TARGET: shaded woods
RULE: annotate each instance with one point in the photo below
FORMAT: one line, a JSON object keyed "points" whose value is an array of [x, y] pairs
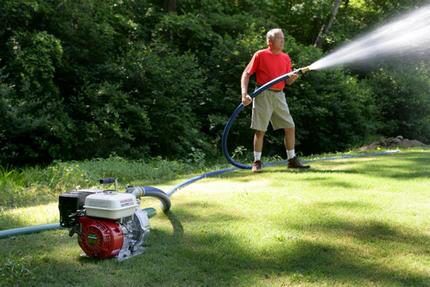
{"points": [[85, 79]]}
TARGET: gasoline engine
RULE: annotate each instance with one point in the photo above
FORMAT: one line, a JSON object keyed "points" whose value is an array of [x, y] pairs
{"points": [[109, 223]]}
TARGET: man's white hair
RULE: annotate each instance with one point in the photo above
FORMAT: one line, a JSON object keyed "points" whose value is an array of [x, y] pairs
{"points": [[270, 36]]}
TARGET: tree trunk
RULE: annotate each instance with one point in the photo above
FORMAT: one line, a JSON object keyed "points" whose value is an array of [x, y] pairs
{"points": [[326, 28], [170, 6]]}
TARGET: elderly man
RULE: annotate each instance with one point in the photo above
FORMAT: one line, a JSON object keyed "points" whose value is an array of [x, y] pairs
{"points": [[271, 105]]}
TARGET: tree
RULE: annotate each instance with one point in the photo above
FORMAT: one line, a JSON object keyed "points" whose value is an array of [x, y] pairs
{"points": [[325, 29], [170, 6]]}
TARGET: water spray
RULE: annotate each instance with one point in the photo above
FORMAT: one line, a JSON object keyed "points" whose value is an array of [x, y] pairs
{"points": [[407, 36]]}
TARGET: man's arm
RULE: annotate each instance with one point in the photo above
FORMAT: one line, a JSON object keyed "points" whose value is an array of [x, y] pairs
{"points": [[244, 82]]}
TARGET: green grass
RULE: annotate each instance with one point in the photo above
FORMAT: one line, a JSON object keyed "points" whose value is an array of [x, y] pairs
{"points": [[350, 222]]}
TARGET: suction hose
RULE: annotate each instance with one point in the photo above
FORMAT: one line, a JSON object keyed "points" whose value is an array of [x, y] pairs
{"points": [[28, 230], [240, 107], [140, 191]]}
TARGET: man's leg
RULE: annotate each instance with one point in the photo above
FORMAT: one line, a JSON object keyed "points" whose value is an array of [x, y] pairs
{"points": [[258, 149], [258, 141], [289, 142], [289, 138]]}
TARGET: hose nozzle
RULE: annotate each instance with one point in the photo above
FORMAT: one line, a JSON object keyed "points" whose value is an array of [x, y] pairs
{"points": [[303, 70]]}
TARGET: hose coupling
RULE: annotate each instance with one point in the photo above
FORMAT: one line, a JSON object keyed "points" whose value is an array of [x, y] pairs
{"points": [[303, 70]]}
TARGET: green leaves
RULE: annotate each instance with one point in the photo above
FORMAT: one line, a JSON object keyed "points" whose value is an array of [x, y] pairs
{"points": [[170, 86], [35, 124], [84, 79], [403, 101]]}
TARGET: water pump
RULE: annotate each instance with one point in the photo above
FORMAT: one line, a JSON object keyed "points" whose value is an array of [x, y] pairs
{"points": [[109, 224]]}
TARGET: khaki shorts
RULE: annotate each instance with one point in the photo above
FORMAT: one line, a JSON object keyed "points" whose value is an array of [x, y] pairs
{"points": [[271, 106]]}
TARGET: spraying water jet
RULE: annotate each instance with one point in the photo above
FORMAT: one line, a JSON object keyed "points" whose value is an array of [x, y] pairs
{"points": [[407, 36]]}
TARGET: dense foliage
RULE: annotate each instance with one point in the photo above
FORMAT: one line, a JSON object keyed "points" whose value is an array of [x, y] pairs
{"points": [[84, 79]]}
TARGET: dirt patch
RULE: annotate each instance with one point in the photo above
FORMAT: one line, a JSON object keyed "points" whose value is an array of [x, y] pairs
{"points": [[397, 142]]}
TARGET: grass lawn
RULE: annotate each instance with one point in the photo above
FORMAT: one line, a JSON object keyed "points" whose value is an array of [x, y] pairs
{"points": [[349, 222]]}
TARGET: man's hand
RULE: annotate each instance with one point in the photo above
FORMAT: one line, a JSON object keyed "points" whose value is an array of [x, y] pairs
{"points": [[246, 100], [292, 79]]}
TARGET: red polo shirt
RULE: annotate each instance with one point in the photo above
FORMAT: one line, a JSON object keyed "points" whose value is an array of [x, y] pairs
{"points": [[269, 66]]}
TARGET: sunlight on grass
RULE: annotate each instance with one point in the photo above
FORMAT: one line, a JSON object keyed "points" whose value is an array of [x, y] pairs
{"points": [[350, 222], [32, 215]]}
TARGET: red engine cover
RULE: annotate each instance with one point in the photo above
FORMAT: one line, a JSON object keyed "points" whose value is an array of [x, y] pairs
{"points": [[100, 238]]}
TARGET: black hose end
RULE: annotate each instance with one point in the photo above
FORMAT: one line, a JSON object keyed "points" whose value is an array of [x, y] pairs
{"points": [[107, 180]]}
